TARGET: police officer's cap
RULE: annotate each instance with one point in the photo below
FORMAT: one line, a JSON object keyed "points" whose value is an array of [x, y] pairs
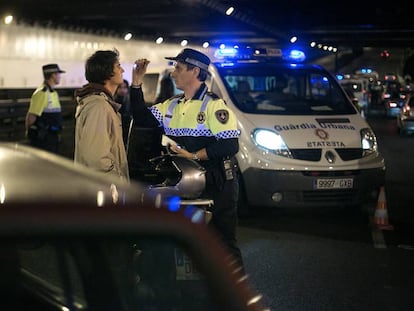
{"points": [[51, 68], [192, 57]]}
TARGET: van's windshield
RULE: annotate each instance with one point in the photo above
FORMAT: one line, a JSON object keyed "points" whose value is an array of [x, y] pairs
{"points": [[287, 91]]}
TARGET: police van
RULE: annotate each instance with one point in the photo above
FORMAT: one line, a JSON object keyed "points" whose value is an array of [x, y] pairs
{"points": [[303, 143]]}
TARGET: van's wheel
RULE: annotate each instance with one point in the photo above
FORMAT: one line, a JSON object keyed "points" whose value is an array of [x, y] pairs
{"points": [[243, 208]]}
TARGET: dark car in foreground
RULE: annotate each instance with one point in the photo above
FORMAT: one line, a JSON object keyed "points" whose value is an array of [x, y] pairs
{"points": [[73, 239]]}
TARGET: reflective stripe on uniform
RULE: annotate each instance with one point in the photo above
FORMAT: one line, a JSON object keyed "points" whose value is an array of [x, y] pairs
{"points": [[195, 124], [44, 101]]}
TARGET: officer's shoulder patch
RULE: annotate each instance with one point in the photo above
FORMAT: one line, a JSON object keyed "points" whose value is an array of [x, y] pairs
{"points": [[213, 95], [222, 116]]}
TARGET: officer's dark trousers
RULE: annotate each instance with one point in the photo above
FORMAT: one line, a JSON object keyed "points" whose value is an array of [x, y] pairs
{"points": [[224, 211], [50, 142]]}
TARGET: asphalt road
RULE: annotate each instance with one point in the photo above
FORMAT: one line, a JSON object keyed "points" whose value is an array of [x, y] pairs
{"points": [[331, 259]]}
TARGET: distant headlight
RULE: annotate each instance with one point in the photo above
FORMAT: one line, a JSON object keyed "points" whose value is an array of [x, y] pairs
{"points": [[369, 141], [271, 142]]}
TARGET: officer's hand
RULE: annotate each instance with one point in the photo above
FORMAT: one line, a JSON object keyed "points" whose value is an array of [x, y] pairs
{"points": [[139, 70], [177, 149], [180, 151]]}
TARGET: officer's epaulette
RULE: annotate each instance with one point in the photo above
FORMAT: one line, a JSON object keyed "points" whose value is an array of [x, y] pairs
{"points": [[213, 95]]}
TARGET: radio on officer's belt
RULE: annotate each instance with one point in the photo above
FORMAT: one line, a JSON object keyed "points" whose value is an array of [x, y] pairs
{"points": [[228, 169]]}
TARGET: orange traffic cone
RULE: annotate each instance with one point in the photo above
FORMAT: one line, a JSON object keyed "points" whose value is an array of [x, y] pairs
{"points": [[381, 213]]}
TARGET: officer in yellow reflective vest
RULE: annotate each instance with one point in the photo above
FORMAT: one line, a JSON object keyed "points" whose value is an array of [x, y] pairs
{"points": [[205, 130], [44, 117]]}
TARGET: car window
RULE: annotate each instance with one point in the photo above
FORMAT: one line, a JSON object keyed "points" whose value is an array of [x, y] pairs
{"points": [[150, 273]]}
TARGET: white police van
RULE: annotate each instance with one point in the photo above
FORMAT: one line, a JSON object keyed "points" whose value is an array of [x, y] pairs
{"points": [[303, 143]]}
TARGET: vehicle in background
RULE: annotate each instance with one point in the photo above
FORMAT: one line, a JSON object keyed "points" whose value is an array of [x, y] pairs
{"points": [[75, 239], [394, 95], [359, 88], [303, 143], [405, 119], [376, 91], [393, 105], [392, 87]]}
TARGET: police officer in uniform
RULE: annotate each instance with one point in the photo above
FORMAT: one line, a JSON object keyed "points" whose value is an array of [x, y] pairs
{"points": [[205, 130], [44, 117]]}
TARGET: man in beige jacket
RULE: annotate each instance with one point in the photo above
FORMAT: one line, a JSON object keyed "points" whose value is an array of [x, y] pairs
{"points": [[98, 133]]}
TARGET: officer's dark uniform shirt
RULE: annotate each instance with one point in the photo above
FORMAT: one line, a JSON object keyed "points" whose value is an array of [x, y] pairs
{"points": [[201, 122]]}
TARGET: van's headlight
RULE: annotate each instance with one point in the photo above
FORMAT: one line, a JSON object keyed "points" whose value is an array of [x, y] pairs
{"points": [[271, 142], [369, 141]]}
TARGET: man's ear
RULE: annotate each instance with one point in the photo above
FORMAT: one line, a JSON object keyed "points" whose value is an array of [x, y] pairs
{"points": [[196, 71]]}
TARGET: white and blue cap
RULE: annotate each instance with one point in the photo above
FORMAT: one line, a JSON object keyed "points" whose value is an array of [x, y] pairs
{"points": [[192, 57], [52, 68]]}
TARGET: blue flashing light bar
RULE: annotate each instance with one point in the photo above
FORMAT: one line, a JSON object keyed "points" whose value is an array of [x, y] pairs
{"points": [[233, 53], [296, 55], [227, 54]]}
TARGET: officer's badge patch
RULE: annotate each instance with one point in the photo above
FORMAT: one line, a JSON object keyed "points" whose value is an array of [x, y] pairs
{"points": [[201, 117], [222, 116]]}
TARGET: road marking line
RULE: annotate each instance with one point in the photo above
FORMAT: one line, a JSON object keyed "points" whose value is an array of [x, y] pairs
{"points": [[406, 246]]}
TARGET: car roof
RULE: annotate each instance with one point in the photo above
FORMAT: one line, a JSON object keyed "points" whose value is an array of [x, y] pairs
{"points": [[30, 174]]}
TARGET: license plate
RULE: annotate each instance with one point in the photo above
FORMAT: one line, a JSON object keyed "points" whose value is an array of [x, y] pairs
{"points": [[185, 269], [333, 183]]}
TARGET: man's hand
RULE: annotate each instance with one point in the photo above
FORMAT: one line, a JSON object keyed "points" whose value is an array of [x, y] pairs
{"points": [[139, 70]]}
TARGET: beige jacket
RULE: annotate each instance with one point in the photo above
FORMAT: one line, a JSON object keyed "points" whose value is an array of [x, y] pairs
{"points": [[98, 135]]}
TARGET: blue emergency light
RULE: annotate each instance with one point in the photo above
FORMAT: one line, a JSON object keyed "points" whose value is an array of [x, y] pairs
{"points": [[296, 55], [238, 54]]}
